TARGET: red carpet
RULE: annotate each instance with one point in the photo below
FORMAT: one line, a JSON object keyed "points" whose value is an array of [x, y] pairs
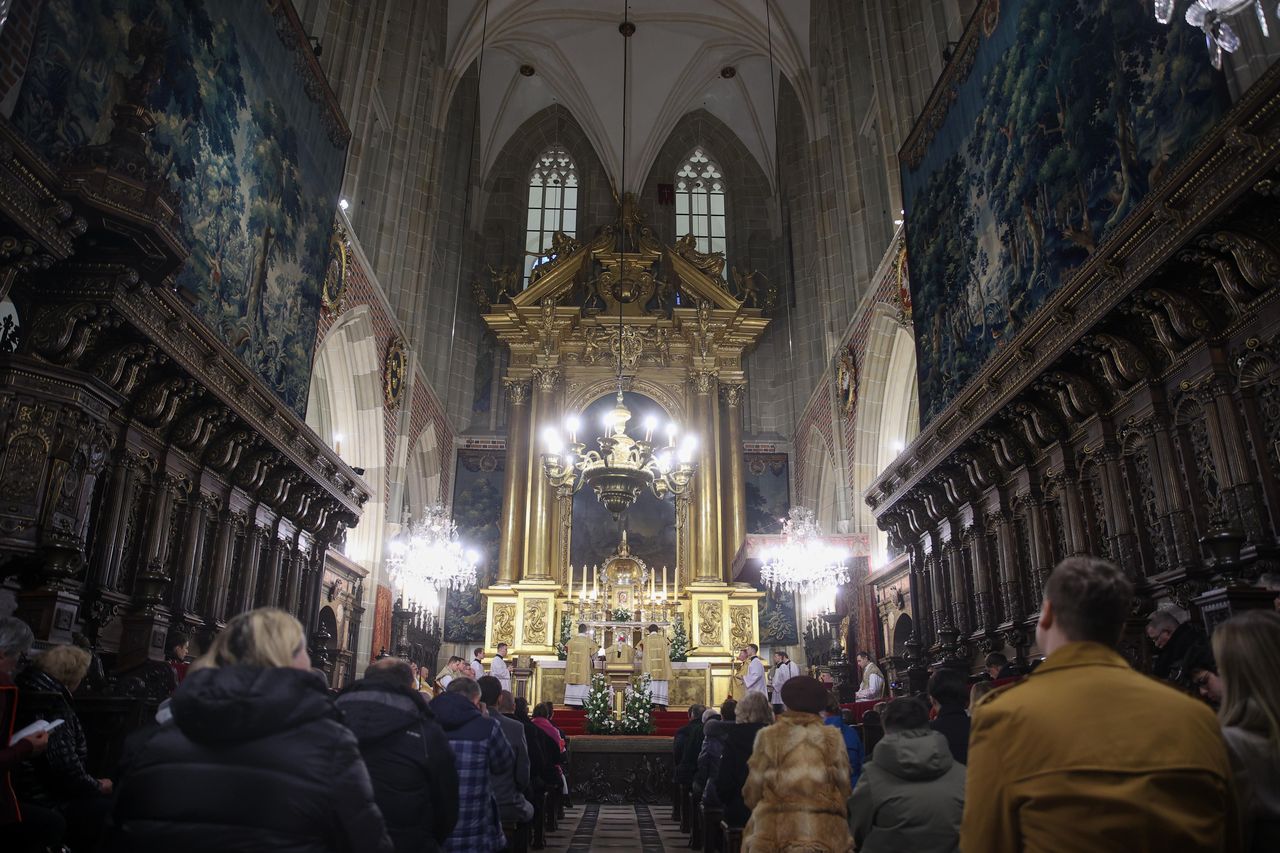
{"points": [[573, 721]]}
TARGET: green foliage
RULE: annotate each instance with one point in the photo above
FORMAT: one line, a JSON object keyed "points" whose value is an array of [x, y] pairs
{"points": [[679, 641], [637, 708], [621, 614], [562, 647], [599, 707]]}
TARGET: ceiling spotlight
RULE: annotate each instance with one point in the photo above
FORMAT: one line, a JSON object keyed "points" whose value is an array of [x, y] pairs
{"points": [[526, 71], [728, 72], [343, 203]]}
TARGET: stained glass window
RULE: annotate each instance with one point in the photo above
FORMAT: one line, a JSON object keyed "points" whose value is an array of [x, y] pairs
{"points": [[700, 191], [553, 205]]}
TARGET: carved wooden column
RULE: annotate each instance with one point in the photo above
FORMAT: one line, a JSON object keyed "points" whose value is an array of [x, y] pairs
{"points": [[511, 546], [220, 569], [1116, 500], [255, 536], [1170, 497], [1073, 508], [191, 558], [708, 565], [920, 607], [117, 501], [292, 579], [984, 612], [144, 627], [1007, 562], [734, 482], [1240, 490], [541, 496], [268, 594], [937, 594], [959, 589], [1041, 547]]}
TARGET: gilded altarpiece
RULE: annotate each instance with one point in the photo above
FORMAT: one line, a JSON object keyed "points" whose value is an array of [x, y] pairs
{"points": [[662, 316]]}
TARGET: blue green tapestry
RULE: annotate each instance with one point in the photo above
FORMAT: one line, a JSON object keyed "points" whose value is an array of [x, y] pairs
{"points": [[1071, 111], [244, 136], [477, 511]]}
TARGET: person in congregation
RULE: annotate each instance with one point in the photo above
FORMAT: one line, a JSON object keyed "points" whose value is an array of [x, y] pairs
{"points": [[911, 794], [949, 693], [60, 779], [512, 788], [680, 744], [657, 663], [753, 680], [499, 669], [27, 826], [577, 668], [1202, 676], [873, 683], [714, 734], [415, 781], [1247, 648], [255, 759], [751, 716], [482, 753], [998, 667], [477, 663], [797, 787], [452, 670], [1174, 641], [1153, 773], [833, 715], [977, 691], [783, 669], [709, 716]]}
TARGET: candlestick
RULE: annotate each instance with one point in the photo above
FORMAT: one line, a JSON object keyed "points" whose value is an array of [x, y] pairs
{"points": [[664, 584], [583, 594], [675, 581], [595, 582]]}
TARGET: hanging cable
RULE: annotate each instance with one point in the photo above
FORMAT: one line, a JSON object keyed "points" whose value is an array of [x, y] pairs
{"points": [[622, 180]]}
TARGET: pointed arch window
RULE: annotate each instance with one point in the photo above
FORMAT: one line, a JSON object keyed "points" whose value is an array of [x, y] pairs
{"points": [[553, 205], [700, 201]]}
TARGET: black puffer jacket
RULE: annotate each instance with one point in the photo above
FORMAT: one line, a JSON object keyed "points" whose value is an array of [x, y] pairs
{"points": [[255, 760], [415, 780]]}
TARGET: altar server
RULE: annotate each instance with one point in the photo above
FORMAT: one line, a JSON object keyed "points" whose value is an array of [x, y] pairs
{"points": [[872, 686], [783, 669], [477, 664], [577, 670], [657, 662], [753, 680], [499, 670]]}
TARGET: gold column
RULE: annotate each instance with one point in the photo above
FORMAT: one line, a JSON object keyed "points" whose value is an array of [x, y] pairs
{"points": [[537, 540], [510, 548], [733, 482], [707, 563]]}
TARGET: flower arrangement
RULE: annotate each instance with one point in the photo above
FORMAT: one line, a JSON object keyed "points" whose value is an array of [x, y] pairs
{"points": [[637, 708], [621, 614], [599, 707], [679, 641], [562, 646]]}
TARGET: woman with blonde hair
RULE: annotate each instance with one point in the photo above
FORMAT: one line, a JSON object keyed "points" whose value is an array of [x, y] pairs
{"points": [[256, 757], [1247, 648], [751, 715], [60, 779]]}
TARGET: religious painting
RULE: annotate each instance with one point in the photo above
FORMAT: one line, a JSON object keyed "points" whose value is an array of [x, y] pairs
{"points": [[244, 135], [1056, 121], [650, 523], [768, 479], [477, 511]]}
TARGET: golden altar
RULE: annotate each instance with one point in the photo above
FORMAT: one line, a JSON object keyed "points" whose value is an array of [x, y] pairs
{"points": [[662, 315]]}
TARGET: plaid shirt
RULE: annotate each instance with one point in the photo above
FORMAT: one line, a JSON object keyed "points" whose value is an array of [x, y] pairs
{"points": [[479, 827]]}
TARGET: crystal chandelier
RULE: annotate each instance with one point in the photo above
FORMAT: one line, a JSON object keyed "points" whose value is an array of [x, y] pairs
{"points": [[804, 562], [1211, 17], [427, 556], [623, 467]]}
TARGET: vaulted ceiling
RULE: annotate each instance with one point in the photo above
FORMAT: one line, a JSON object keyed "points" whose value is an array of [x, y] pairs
{"points": [[675, 62]]}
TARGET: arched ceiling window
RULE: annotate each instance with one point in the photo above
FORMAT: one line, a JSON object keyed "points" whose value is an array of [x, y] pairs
{"points": [[700, 191], [553, 204]]}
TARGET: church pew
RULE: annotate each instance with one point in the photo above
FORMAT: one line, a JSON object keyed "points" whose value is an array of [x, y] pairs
{"points": [[732, 836]]}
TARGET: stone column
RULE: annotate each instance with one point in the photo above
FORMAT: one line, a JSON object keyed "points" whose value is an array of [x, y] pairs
{"points": [[541, 508], [708, 566], [511, 546], [734, 482]]}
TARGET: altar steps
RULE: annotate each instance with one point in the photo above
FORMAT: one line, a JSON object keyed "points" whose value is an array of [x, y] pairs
{"points": [[573, 721]]}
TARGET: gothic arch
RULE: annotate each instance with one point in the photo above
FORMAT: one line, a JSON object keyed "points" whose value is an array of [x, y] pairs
{"points": [[422, 480]]}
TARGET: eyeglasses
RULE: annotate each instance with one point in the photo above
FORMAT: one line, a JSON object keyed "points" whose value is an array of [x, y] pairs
{"points": [[1200, 681]]}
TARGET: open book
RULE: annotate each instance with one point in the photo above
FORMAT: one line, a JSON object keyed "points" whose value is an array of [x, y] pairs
{"points": [[35, 728]]}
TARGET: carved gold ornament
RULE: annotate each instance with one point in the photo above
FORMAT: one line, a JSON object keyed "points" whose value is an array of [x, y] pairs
{"points": [[504, 623], [335, 277], [535, 621], [395, 369], [709, 621], [739, 626]]}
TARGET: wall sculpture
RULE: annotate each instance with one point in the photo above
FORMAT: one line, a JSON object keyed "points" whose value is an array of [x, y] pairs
{"points": [[1053, 123], [242, 134]]}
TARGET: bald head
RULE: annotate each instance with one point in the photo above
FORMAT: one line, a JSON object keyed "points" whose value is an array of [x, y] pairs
{"points": [[391, 671]]}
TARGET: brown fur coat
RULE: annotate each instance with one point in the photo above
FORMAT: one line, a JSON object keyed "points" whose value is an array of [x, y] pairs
{"points": [[798, 789]]}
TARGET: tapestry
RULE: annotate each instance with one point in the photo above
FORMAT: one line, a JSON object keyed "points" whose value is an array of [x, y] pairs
{"points": [[768, 492], [1058, 120], [382, 606], [650, 523], [477, 511], [255, 161], [778, 619]]}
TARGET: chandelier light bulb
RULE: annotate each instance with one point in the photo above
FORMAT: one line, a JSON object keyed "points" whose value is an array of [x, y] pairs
{"points": [[572, 424], [671, 434], [552, 441]]}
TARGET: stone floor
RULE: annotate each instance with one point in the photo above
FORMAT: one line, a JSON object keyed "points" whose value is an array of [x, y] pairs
{"points": [[639, 828]]}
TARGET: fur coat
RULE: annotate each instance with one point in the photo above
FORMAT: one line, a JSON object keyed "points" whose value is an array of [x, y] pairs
{"points": [[797, 789]]}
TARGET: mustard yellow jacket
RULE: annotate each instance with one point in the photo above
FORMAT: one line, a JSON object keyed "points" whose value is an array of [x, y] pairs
{"points": [[1088, 756]]}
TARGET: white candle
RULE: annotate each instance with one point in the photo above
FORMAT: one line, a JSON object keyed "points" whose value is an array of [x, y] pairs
{"points": [[583, 595], [664, 583], [595, 582]]}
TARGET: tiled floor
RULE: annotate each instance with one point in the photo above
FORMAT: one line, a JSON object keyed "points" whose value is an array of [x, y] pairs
{"points": [[643, 829]]}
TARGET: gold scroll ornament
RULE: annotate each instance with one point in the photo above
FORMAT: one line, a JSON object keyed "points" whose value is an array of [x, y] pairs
{"points": [[504, 623], [535, 621], [709, 621]]}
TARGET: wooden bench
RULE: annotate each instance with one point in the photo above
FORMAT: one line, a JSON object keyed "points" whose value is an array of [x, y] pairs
{"points": [[695, 832], [676, 801], [732, 836], [686, 816], [711, 819], [517, 836]]}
